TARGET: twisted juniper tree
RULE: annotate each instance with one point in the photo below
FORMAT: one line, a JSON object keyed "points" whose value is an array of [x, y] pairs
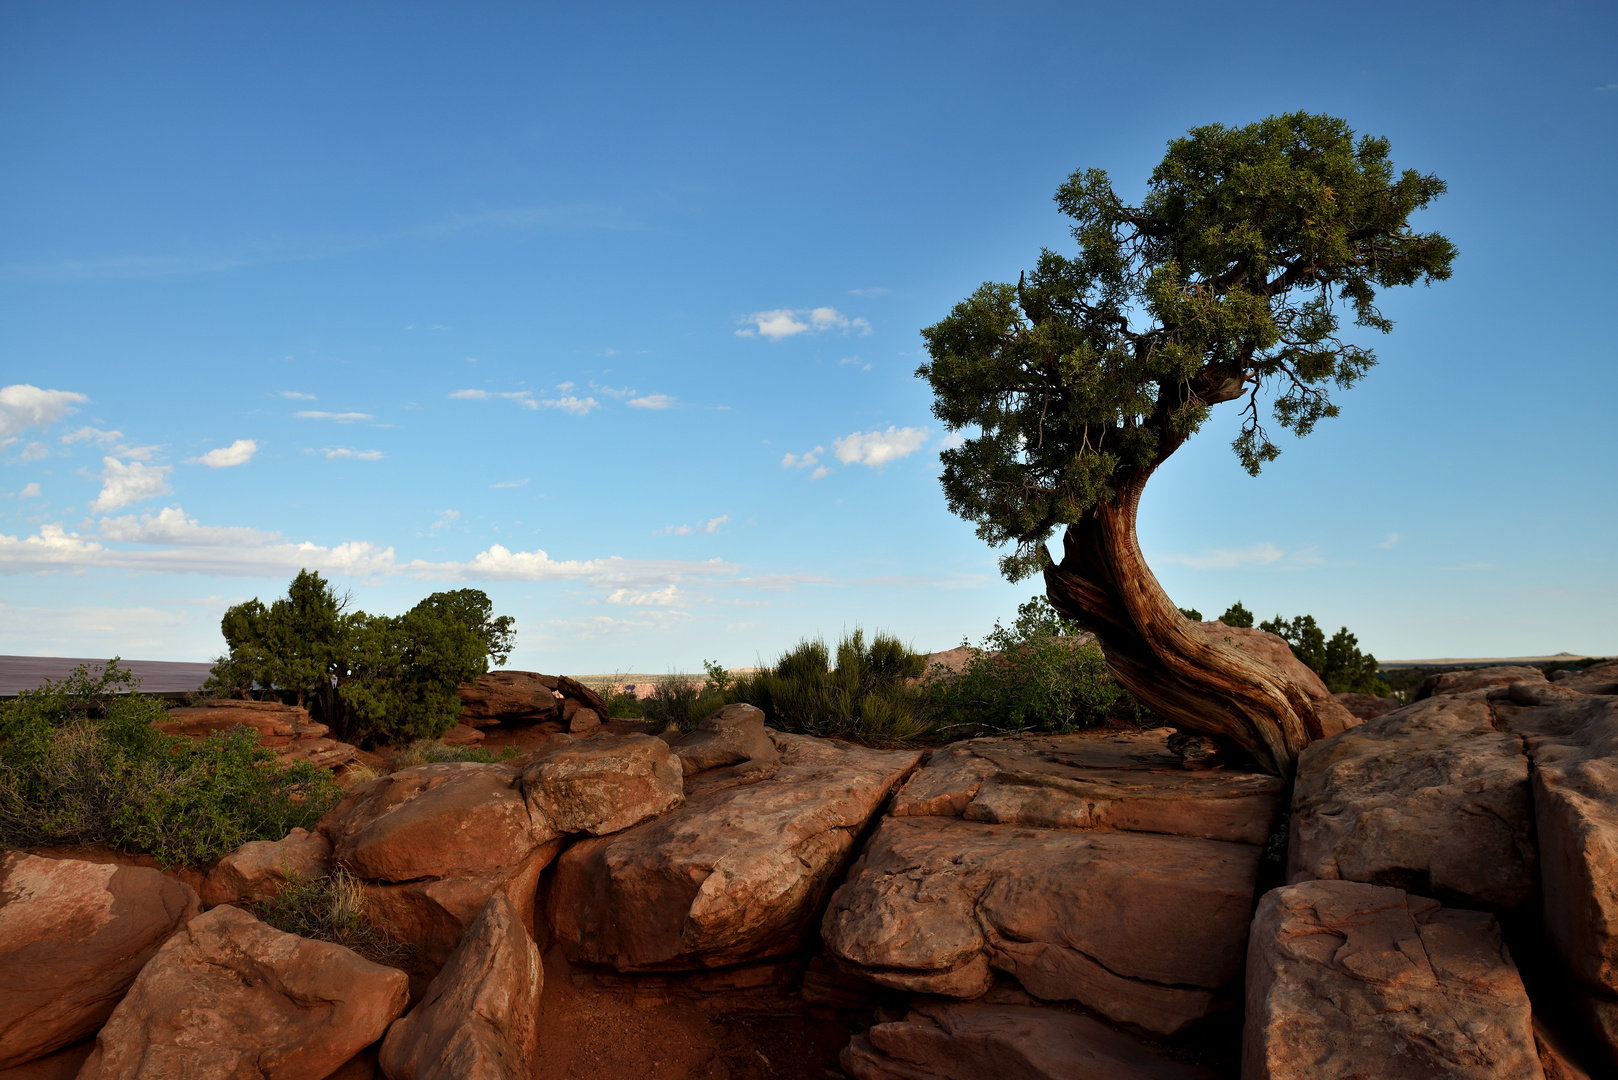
{"points": [[1224, 285]]}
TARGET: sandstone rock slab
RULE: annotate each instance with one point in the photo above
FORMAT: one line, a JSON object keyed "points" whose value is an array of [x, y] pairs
{"points": [[73, 936], [258, 869], [1366, 706], [941, 1041], [730, 736], [1453, 683], [442, 820], [477, 1019], [601, 785], [1143, 929], [1089, 780], [229, 996], [1346, 979], [525, 696], [1429, 798], [738, 873]]}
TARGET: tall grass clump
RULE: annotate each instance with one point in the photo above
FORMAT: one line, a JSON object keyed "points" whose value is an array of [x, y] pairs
{"points": [[332, 908], [1036, 675], [864, 690], [80, 763]]}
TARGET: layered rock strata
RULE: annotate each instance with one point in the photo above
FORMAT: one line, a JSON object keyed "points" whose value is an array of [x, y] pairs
{"points": [[286, 729]]}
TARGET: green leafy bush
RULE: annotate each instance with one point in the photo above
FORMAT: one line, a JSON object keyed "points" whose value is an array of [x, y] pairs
{"points": [[1339, 662], [80, 763], [673, 700], [332, 908], [867, 694], [1034, 675]]}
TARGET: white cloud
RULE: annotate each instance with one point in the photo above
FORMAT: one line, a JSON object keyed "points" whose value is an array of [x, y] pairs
{"points": [[646, 598], [510, 483], [1254, 555], [124, 484], [334, 452], [105, 438], [686, 530], [820, 473], [29, 492], [786, 322], [239, 452], [340, 417], [33, 452], [576, 406], [170, 526], [524, 398], [855, 361], [470, 395], [1393, 538], [446, 518], [293, 395], [651, 401], [620, 392], [876, 448], [803, 460], [23, 406], [877, 290], [952, 440]]}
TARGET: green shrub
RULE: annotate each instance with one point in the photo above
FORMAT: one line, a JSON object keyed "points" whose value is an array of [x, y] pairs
{"points": [[80, 763], [1032, 676], [621, 705], [432, 751], [332, 908], [674, 700], [1338, 662], [866, 695]]}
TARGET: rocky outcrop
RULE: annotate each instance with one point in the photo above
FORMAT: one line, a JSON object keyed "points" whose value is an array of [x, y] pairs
{"points": [[1429, 798], [231, 997], [527, 697], [286, 729], [947, 1041], [734, 735], [477, 1019], [1143, 929], [258, 869], [1132, 782], [1346, 979], [1366, 706], [73, 936], [738, 873], [602, 785], [1452, 683]]}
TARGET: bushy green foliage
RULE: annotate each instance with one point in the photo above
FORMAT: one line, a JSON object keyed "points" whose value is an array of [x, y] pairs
{"points": [[673, 700], [621, 704], [80, 763], [862, 692], [1338, 661], [1034, 675], [370, 677], [1191, 613], [331, 908], [1238, 616], [1225, 283]]}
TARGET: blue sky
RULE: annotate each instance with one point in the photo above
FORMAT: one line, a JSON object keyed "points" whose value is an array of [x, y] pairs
{"points": [[613, 312]]}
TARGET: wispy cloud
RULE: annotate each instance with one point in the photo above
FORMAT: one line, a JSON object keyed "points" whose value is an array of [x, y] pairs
{"points": [[124, 484], [293, 395], [1261, 554], [779, 323], [448, 517], [575, 405], [619, 392], [510, 483], [1391, 541], [877, 448], [333, 453], [712, 526], [90, 434], [651, 401], [239, 452], [663, 597], [33, 452], [803, 460], [339, 417], [29, 492], [875, 290], [854, 361], [23, 406], [525, 398]]}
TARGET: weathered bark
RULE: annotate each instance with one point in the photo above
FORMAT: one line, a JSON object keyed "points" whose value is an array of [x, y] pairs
{"points": [[1165, 659]]}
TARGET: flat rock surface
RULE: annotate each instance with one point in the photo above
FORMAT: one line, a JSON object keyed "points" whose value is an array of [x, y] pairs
{"points": [[231, 997], [729, 736], [442, 820], [1091, 780], [602, 784], [1142, 929], [477, 1019], [1429, 798], [738, 873], [944, 1041], [73, 936], [1349, 980]]}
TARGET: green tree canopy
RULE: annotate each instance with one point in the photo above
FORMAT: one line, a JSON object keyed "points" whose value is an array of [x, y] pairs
{"points": [[369, 676], [1226, 282], [1338, 661]]}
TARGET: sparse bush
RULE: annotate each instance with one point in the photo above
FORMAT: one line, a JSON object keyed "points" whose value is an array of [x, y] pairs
{"points": [[866, 695], [674, 700], [332, 908], [1034, 675], [621, 704], [432, 751], [80, 763]]}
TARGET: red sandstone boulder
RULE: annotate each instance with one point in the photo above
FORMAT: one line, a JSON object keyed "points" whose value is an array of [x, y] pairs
{"points": [[1429, 798], [442, 820], [1452, 683], [1091, 780], [1346, 980], [73, 936], [477, 1020], [231, 997], [601, 785], [524, 696], [1366, 706], [258, 869], [731, 736], [737, 874], [1143, 929], [946, 1041]]}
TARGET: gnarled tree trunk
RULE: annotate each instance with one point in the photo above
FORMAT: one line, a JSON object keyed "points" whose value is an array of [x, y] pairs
{"points": [[1165, 659]]}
